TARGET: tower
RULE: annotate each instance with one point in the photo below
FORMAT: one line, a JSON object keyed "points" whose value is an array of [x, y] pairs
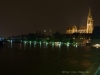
{"points": [[89, 22]]}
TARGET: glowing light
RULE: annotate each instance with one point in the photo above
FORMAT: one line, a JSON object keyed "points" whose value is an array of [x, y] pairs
{"points": [[34, 42], [46, 44], [57, 43], [48, 38], [25, 42], [24, 45], [76, 46], [30, 44], [8, 40], [43, 42], [11, 43], [67, 45], [59, 46], [73, 38], [52, 45], [44, 30], [30, 41], [96, 45]]}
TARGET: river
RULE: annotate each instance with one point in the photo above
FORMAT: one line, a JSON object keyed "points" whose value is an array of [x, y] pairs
{"points": [[46, 59]]}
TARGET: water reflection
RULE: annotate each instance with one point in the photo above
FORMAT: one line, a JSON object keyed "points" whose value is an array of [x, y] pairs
{"points": [[30, 44], [46, 44], [67, 46], [86, 63], [20, 46], [75, 46], [11, 43], [25, 45], [40, 44], [59, 47], [76, 61], [52, 45], [34, 43]]}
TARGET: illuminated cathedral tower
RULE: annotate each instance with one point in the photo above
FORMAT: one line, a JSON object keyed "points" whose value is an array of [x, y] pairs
{"points": [[89, 22]]}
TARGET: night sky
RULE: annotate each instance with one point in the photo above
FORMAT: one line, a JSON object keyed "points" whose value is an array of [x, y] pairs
{"points": [[21, 17]]}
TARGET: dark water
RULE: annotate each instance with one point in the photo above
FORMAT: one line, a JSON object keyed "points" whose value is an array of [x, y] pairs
{"points": [[44, 59]]}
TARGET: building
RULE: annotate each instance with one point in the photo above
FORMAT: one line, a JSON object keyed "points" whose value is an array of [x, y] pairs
{"points": [[82, 29], [95, 37]]}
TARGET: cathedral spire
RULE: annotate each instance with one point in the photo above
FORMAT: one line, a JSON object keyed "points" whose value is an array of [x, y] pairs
{"points": [[89, 22], [89, 14]]}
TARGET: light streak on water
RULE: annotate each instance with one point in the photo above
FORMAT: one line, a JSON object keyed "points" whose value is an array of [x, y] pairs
{"points": [[53, 45], [30, 44], [46, 44], [25, 45], [59, 46], [76, 46], [11, 43], [20, 45], [34, 43], [40, 44]]}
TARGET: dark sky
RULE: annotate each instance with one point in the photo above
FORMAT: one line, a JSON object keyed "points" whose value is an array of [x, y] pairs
{"points": [[22, 17]]}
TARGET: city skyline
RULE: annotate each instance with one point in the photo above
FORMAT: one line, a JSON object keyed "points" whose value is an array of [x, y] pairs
{"points": [[22, 17]]}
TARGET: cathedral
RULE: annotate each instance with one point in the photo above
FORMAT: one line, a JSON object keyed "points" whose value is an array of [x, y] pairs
{"points": [[82, 29]]}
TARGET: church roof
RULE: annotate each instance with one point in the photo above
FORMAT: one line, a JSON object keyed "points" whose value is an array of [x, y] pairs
{"points": [[70, 27], [79, 27], [82, 27]]}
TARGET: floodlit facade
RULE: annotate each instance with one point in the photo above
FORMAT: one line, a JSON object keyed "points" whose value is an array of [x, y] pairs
{"points": [[82, 29]]}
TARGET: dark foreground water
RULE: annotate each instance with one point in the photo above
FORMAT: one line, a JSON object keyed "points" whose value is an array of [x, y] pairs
{"points": [[44, 59]]}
